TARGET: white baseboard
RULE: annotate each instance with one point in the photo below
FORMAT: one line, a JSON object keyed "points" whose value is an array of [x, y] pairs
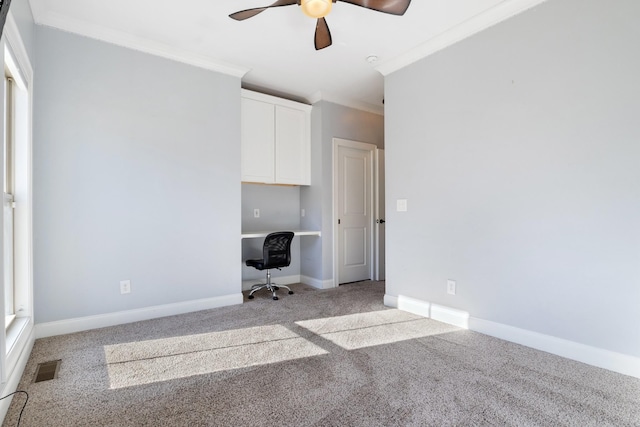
{"points": [[606, 359], [413, 305], [449, 315], [617, 362], [69, 326], [13, 380], [391, 301], [426, 309], [317, 283]]}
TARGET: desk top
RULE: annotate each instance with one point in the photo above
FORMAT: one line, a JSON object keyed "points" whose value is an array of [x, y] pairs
{"points": [[258, 234]]}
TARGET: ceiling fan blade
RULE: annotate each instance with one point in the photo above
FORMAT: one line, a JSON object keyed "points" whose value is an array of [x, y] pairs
{"points": [[248, 13], [323, 35], [394, 7]]}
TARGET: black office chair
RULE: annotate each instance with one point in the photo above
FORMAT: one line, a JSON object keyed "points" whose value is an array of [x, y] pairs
{"points": [[276, 253]]}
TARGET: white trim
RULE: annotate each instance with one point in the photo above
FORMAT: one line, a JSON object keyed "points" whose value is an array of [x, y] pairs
{"points": [[617, 362], [351, 103], [141, 44], [38, 9], [412, 305], [378, 255], [270, 99], [478, 23], [601, 358], [315, 97], [450, 315], [17, 343], [14, 39], [16, 374], [391, 301], [317, 283], [17, 338], [79, 324], [364, 146]]}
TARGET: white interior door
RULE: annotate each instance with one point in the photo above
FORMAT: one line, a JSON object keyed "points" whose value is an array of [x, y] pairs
{"points": [[354, 212], [380, 217]]}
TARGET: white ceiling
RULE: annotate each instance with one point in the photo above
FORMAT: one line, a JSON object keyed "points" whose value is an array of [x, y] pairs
{"points": [[274, 51]]}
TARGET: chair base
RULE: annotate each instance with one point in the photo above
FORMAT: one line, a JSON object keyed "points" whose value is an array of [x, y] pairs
{"points": [[271, 287]]}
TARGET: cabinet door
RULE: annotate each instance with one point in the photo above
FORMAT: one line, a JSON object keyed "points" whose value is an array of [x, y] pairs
{"points": [[292, 146], [257, 141]]}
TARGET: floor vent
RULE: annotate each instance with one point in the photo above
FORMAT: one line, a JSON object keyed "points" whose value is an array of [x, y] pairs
{"points": [[47, 371]]}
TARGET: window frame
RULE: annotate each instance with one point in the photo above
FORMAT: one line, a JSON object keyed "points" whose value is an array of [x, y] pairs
{"points": [[18, 339]]}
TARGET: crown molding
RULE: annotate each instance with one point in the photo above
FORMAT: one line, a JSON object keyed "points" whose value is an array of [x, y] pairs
{"points": [[358, 105], [37, 9], [316, 97], [45, 18], [493, 16]]}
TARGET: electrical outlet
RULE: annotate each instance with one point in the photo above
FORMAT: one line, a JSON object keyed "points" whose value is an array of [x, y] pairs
{"points": [[303, 213], [451, 287], [256, 213], [125, 286]]}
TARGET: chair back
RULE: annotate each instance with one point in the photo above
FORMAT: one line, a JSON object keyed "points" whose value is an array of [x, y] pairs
{"points": [[276, 251]]}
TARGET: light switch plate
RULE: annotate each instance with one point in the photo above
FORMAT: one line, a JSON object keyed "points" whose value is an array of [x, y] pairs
{"points": [[401, 205]]}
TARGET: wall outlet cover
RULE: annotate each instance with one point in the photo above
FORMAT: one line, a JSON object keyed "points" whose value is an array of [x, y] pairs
{"points": [[451, 287], [125, 286]]}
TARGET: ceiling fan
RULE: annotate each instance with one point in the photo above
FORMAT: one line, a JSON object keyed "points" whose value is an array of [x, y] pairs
{"points": [[320, 8]]}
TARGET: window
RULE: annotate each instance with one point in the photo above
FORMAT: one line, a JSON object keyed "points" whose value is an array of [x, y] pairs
{"points": [[15, 189], [8, 230], [16, 258]]}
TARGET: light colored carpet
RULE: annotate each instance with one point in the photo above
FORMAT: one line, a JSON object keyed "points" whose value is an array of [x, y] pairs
{"points": [[315, 358]]}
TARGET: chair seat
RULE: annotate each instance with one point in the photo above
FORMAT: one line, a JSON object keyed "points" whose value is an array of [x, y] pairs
{"points": [[255, 263]]}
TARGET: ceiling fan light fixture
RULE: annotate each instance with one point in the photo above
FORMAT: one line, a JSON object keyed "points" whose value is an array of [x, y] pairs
{"points": [[316, 8]]}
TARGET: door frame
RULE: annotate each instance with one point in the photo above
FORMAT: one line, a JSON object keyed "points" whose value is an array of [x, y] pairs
{"points": [[340, 142], [380, 236]]}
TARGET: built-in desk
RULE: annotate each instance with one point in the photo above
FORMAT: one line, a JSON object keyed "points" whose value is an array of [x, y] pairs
{"points": [[251, 277], [259, 234]]}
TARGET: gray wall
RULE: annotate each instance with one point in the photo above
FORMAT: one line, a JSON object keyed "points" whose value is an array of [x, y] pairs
{"points": [[136, 165], [330, 121], [518, 151]]}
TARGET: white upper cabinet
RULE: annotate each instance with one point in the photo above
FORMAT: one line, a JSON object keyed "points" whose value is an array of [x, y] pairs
{"points": [[276, 139], [258, 141]]}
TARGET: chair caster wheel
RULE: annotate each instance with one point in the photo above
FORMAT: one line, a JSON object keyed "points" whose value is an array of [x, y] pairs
{"points": [[290, 292], [276, 288], [250, 297], [275, 298]]}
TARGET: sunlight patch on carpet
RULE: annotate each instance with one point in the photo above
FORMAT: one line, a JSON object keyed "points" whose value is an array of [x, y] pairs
{"points": [[375, 328], [145, 362]]}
